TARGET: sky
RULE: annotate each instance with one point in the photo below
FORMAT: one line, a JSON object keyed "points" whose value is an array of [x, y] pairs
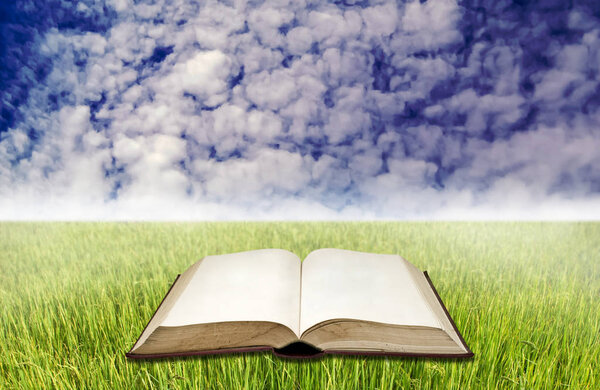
{"points": [[235, 110]]}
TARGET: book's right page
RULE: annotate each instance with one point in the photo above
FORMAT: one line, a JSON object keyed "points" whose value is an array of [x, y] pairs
{"points": [[343, 284]]}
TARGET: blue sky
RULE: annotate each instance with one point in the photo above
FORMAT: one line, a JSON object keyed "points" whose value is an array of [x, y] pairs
{"points": [[132, 109]]}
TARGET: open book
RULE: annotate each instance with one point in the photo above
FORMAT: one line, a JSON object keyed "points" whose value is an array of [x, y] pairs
{"points": [[335, 301]]}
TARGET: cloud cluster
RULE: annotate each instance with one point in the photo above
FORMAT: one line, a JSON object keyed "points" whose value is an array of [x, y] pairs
{"points": [[301, 109]]}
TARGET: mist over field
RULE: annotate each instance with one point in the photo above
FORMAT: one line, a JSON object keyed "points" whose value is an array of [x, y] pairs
{"points": [[180, 109]]}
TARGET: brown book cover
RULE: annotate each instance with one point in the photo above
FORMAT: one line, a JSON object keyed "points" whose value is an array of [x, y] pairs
{"points": [[301, 350]]}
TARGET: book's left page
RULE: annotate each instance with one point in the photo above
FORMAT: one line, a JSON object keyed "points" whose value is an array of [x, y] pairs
{"points": [[227, 301], [260, 285]]}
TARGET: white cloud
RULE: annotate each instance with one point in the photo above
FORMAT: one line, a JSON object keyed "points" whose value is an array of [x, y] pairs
{"points": [[204, 75], [431, 25], [271, 90], [265, 22], [299, 39], [381, 20], [234, 110], [421, 74], [330, 26], [249, 180], [121, 5], [344, 67]]}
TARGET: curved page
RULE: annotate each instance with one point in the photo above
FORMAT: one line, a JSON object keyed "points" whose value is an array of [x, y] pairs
{"points": [[340, 284], [261, 285]]}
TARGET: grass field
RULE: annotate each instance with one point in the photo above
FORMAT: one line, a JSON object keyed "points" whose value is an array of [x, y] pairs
{"points": [[75, 296]]}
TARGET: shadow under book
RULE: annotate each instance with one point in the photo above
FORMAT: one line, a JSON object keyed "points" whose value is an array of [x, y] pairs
{"points": [[334, 302]]}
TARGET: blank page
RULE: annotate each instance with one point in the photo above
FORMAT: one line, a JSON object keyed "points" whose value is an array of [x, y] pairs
{"points": [[261, 285], [340, 284]]}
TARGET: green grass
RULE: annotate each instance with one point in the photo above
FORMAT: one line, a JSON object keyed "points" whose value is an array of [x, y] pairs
{"points": [[75, 296]]}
